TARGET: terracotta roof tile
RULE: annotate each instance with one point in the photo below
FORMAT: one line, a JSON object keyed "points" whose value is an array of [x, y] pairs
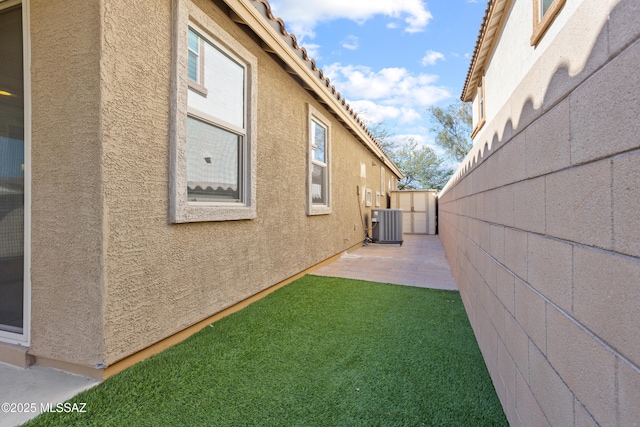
{"points": [[492, 24], [311, 63], [476, 50]]}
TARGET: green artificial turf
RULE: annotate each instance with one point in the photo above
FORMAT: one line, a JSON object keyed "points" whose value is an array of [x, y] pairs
{"points": [[318, 352]]}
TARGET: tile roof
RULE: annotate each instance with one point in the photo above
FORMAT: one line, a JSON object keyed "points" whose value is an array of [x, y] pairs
{"points": [[292, 41], [488, 34]]}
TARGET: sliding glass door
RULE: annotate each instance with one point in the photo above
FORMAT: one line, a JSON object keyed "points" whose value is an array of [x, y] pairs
{"points": [[12, 172]]}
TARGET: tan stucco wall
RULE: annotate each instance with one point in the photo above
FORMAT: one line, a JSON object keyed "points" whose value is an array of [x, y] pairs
{"points": [[149, 278], [542, 228], [67, 198]]}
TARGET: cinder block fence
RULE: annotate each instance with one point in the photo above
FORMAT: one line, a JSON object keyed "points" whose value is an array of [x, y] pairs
{"points": [[542, 230]]}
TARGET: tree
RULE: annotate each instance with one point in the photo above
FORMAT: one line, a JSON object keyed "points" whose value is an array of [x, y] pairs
{"points": [[453, 128], [384, 137], [421, 167]]}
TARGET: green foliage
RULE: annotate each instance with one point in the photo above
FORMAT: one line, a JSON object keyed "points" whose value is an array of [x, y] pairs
{"points": [[384, 137], [421, 166], [319, 352], [452, 127]]}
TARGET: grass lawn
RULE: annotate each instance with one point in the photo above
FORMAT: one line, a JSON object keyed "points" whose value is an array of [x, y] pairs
{"points": [[318, 352]]}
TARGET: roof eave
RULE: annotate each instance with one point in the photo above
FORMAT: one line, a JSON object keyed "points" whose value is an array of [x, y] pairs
{"points": [[271, 30], [490, 29]]}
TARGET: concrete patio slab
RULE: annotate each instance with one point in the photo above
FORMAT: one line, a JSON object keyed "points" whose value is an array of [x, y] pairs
{"points": [[420, 261], [25, 393]]}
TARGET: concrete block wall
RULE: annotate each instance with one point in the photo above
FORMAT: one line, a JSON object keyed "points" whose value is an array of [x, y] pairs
{"points": [[542, 231]]}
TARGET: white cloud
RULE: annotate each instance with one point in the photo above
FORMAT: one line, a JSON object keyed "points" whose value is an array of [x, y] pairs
{"points": [[378, 113], [390, 94], [313, 50], [350, 42], [431, 57], [390, 86], [403, 139], [301, 17]]}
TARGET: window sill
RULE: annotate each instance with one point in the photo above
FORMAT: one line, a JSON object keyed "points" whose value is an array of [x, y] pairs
{"points": [[478, 127], [319, 210], [204, 212], [197, 87]]}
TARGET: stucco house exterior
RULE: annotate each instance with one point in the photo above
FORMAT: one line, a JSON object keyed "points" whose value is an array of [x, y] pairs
{"points": [[541, 223], [161, 162]]}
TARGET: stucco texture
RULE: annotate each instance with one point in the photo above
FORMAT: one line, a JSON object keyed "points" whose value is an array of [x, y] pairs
{"points": [[67, 293], [532, 225], [112, 274]]}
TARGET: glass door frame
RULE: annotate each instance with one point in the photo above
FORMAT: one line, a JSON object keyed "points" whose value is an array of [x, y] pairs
{"points": [[23, 338]]}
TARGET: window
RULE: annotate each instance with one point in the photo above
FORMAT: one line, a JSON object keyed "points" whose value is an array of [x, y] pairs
{"points": [[318, 163], [368, 195], [383, 187], [544, 6], [194, 70], [15, 120], [377, 199], [195, 65], [319, 175], [544, 12], [481, 105], [480, 114], [215, 125], [213, 144]]}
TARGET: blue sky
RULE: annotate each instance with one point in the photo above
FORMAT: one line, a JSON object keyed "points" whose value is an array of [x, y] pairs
{"points": [[391, 59]]}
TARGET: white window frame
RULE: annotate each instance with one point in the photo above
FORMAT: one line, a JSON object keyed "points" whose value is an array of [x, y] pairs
{"points": [[24, 338], [368, 195], [312, 208], [181, 209]]}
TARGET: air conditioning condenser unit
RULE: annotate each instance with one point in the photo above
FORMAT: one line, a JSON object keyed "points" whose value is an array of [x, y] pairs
{"points": [[386, 225]]}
